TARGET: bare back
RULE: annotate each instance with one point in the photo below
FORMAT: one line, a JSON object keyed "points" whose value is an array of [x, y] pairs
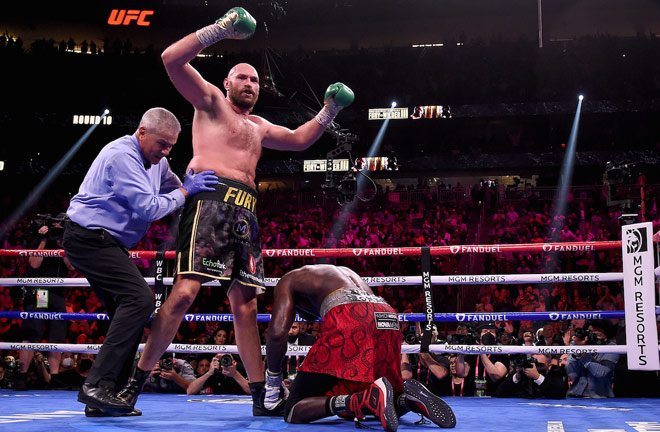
{"points": [[311, 284]]}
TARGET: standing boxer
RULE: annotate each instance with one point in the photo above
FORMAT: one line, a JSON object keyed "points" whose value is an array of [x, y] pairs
{"points": [[219, 232]]}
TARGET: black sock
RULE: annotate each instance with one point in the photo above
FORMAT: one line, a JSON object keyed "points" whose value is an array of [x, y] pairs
{"points": [[339, 404], [401, 405], [255, 389]]}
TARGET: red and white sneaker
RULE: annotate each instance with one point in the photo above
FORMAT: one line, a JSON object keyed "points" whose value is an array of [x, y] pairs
{"points": [[377, 400], [420, 400]]}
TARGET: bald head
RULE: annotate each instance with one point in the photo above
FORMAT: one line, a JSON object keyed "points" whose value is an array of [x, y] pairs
{"points": [[243, 68], [242, 85]]}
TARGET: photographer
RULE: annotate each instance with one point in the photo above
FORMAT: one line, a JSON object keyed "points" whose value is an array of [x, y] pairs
{"points": [[591, 374], [488, 369], [430, 369], [170, 375], [6, 378], [73, 378], [296, 337], [533, 377], [223, 377], [44, 299]]}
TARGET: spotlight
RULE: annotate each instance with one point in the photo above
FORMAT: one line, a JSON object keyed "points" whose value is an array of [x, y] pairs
{"points": [[580, 97], [106, 111], [393, 104]]}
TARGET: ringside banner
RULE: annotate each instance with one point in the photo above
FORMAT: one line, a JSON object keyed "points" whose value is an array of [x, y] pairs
{"points": [[639, 296]]}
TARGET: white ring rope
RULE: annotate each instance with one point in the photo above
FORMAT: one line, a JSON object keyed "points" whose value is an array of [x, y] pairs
{"points": [[370, 280], [296, 350]]}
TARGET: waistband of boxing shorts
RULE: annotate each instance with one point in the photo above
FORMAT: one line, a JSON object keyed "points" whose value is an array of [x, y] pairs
{"points": [[348, 295], [231, 192]]}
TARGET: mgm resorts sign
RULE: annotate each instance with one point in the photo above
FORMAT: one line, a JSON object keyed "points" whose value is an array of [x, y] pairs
{"points": [[639, 296]]}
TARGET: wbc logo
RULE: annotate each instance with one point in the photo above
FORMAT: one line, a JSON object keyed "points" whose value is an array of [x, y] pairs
{"points": [[454, 249]]}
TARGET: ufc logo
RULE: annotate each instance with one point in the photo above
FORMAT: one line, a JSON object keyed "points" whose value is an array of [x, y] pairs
{"points": [[124, 17]]}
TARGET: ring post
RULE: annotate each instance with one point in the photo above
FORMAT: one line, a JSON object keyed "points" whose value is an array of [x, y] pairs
{"points": [[639, 296]]}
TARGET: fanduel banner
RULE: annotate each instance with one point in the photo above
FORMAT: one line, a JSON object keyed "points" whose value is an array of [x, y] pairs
{"points": [[639, 296]]}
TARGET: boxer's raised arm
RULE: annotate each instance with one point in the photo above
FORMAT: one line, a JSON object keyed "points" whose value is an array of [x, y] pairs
{"points": [[237, 23]]}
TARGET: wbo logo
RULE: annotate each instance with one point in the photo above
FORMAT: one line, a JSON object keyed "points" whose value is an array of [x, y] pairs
{"points": [[636, 240]]}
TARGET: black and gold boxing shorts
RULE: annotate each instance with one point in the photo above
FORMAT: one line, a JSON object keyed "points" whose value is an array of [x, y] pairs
{"points": [[219, 235]]}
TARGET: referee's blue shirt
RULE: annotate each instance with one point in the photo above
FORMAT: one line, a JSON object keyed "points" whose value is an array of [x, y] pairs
{"points": [[120, 195]]}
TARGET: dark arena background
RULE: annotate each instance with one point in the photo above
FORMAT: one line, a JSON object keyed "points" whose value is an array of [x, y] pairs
{"points": [[511, 142]]}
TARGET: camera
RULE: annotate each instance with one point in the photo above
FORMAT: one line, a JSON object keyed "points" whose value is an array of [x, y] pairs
{"points": [[523, 361], [54, 232], [412, 338], [590, 336], [167, 364], [226, 360], [462, 339]]}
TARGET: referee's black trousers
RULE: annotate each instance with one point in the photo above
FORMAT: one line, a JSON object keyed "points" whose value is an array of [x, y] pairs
{"points": [[127, 298]]}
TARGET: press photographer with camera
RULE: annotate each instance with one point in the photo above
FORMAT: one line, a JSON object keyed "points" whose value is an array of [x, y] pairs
{"points": [[488, 369], [6, 376], [222, 377], [533, 377], [430, 369], [170, 375], [44, 299], [591, 374]]}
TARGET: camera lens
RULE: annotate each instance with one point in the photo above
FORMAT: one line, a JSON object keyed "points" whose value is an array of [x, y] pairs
{"points": [[226, 360], [410, 338], [167, 364]]}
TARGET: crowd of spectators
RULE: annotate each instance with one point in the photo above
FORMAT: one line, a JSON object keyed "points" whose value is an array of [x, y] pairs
{"points": [[381, 223]]}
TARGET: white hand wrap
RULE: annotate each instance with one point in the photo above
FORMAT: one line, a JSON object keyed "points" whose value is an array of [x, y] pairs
{"points": [[221, 29], [274, 391], [328, 113]]}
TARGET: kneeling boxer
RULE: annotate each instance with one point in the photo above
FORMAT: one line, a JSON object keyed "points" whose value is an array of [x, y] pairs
{"points": [[352, 370]]}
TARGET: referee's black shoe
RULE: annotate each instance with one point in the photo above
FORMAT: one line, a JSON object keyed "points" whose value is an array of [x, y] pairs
{"points": [[95, 412], [102, 397]]}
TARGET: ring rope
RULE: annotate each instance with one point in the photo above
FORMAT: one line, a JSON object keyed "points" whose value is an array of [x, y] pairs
{"points": [[368, 252], [412, 317], [296, 350], [370, 280]]}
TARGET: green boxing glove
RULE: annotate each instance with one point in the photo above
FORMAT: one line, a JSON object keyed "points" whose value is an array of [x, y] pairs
{"points": [[337, 96], [237, 23]]}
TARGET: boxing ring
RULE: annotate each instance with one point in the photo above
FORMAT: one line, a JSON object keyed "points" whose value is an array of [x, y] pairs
{"points": [[34, 410]]}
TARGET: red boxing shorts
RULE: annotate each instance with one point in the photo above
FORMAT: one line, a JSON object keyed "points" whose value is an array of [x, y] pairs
{"points": [[358, 342]]}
